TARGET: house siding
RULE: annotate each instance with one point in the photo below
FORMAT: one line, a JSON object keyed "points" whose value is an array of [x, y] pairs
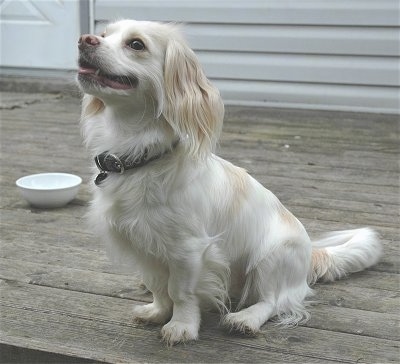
{"points": [[316, 54]]}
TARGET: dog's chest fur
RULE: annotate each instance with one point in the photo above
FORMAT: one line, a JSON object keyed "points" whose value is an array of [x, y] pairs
{"points": [[143, 209]]}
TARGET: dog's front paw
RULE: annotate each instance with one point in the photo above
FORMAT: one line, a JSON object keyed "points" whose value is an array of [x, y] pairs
{"points": [[242, 322], [175, 332], [151, 313]]}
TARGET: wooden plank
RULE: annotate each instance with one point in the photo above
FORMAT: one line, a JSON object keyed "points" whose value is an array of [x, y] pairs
{"points": [[334, 154], [65, 111], [344, 175], [372, 279], [355, 219], [323, 316], [350, 296], [278, 179], [43, 252], [354, 322], [300, 136], [383, 198], [84, 316], [71, 217], [382, 203], [119, 285], [49, 219], [271, 138], [127, 286], [261, 162], [54, 250], [342, 347], [307, 208], [390, 211], [353, 134], [281, 120], [308, 119], [17, 100], [346, 136], [95, 310]]}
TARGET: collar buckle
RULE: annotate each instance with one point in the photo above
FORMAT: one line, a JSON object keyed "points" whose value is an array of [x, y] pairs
{"points": [[117, 164]]}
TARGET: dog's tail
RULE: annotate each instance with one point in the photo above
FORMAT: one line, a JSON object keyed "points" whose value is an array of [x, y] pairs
{"points": [[343, 252]]}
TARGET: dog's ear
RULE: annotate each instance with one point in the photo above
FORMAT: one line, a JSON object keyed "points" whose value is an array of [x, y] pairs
{"points": [[91, 105], [192, 106]]}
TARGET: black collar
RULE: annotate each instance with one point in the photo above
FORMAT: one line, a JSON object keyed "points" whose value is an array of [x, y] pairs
{"points": [[109, 162]]}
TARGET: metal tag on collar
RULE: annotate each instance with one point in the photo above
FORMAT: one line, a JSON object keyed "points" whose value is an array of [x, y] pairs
{"points": [[100, 178]]}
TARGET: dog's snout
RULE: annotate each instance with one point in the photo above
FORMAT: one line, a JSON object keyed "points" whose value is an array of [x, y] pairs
{"points": [[88, 40]]}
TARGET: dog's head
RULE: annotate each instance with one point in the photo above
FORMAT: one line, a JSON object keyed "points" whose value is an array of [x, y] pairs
{"points": [[134, 61]]}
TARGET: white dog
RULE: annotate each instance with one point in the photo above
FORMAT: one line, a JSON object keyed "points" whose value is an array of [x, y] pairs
{"points": [[199, 229]]}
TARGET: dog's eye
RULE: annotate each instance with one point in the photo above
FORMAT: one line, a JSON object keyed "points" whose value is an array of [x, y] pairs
{"points": [[103, 35], [136, 44]]}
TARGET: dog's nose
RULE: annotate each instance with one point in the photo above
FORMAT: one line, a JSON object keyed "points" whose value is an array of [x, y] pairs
{"points": [[87, 40]]}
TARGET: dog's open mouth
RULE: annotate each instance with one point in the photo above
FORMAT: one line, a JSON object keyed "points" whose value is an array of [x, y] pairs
{"points": [[87, 71]]}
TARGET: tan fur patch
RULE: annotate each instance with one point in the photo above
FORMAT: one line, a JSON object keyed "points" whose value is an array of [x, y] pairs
{"points": [[238, 178], [90, 106], [319, 257], [288, 218], [320, 262]]}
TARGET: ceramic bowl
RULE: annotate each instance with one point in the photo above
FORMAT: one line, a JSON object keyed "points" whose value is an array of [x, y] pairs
{"points": [[49, 190]]}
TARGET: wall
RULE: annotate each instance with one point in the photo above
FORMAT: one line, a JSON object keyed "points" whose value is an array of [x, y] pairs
{"points": [[340, 55]]}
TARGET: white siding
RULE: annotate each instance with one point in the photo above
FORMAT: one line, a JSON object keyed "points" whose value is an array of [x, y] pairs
{"points": [[325, 54]]}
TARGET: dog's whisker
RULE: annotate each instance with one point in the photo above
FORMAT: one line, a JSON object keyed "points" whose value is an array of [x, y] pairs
{"points": [[144, 108], [153, 102]]}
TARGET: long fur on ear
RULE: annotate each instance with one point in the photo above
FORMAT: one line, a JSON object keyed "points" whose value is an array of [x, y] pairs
{"points": [[192, 105], [91, 105]]}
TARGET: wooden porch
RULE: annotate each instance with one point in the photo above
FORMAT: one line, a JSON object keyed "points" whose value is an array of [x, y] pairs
{"points": [[63, 302]]}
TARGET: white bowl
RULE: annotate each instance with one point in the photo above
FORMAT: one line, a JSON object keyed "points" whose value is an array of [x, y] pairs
{"points": [[49, 190]]}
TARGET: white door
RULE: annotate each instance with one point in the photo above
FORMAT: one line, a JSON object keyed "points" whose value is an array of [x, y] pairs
{"points": [[39, 33]]}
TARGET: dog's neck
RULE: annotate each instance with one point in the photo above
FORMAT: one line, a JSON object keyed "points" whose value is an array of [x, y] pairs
{"points": [[126, 129], [132, 114]]}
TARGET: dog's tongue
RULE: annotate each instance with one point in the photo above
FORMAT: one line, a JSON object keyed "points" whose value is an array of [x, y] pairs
{"points": [[114, 84], [103, 79]]}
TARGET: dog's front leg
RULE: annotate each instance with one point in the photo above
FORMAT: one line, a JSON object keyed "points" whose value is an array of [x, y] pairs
{"points": [[155, 277], [183, 278]]}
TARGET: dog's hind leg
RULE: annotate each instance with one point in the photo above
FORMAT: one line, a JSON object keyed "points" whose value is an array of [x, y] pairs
{"points": [[257, 293], [277, 285], [250, 319]]}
